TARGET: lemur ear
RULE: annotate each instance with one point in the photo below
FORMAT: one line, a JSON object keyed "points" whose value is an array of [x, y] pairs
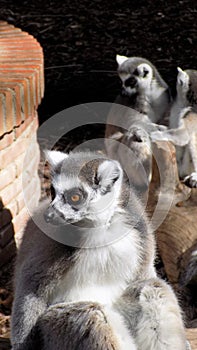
{"points": [[107, 174], [144, 70], [121, 59], [117, 136], [182, 77], [55, 157]]}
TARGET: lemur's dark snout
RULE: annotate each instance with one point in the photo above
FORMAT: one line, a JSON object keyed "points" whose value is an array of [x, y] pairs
{"points": [[48, 215], [131, 82], [136, 138], [51, 217], [124, 92]]}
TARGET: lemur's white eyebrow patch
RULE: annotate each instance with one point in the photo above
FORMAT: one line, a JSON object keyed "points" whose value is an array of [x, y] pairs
{"points": [[62, 182]]}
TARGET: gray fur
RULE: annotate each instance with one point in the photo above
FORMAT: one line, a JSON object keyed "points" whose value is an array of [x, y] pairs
{"points": [[140, 106], [54, 307], [127, 140], [150, 94], [183, 126], [78, 326]]}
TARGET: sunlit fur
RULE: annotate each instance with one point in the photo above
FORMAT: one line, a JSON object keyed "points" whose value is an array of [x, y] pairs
{"points": [[148, 92], [74, 298], [183, 125]]}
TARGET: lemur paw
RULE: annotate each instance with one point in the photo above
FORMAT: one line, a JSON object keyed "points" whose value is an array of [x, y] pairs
{"points": [[136, 134], [158, 136], [153, 290], [161, 127], [191, 180]]}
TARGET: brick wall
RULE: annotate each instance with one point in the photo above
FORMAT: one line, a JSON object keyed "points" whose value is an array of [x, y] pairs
{"points": [[21, 91]]}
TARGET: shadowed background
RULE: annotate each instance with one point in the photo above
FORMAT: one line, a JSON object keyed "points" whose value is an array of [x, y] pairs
{"points": [[81, 38]]}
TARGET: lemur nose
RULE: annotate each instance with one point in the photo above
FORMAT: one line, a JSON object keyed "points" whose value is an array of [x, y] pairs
{"points": [[48, 215], [130, 82], [123, 91]]}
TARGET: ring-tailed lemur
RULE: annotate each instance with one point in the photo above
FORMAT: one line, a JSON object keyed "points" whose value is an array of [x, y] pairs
{"points": [[148, 95], [147, 92], [102, 292], [183, 126], [132, 149], [127, 140]]}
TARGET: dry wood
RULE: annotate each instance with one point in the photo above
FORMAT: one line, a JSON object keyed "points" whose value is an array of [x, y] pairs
{"points": [[177, 235], [192, 337]]}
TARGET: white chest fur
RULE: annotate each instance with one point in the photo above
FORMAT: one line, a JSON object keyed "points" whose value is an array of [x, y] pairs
{"points": [[101, 274]]}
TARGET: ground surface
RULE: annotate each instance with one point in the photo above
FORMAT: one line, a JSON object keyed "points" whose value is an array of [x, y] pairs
{"points": [[80, 40]]}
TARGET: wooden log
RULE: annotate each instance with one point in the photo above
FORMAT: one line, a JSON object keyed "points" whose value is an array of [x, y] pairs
{"points": [[176, 238], [177, 233], [192, 337]]}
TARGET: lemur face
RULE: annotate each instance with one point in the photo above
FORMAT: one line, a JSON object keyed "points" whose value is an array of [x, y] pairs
{"points": [[84, 186], [135, 73], [182, 82], [187, 87]]}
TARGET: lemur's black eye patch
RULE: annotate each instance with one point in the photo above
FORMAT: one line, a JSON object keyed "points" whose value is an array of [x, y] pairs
{"points": [[131, 82], [75, 197]]}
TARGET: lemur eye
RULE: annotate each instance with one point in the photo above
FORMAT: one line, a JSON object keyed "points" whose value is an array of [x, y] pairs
{"points": [[131, 82], [74, 197]]}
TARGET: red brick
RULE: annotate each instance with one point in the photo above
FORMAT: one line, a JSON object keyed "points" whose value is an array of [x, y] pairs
{"points": [[17, 101], [31, 127], [20, 201], [25, 50], [6, 234], [37, 66], [21, 90], [7, 95], [6, 140], [32, 193], [11, 191], [28, 75], [2, 115], [8, 155], [22, 129], [20, 146], [7, 176], [36, 122], [19, 164], [13, 207], [23, 93], [30, 170], [3, 23], [20, 220], [22, 46], [21, 54], [8, 28], [31, 190], [8, 252], [12, 34]]}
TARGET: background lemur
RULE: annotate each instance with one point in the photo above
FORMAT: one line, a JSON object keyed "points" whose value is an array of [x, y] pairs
{"points": [[183, 126], [127, 140], [102, 292], [147, 92], [147, 98], [131, 146]]}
